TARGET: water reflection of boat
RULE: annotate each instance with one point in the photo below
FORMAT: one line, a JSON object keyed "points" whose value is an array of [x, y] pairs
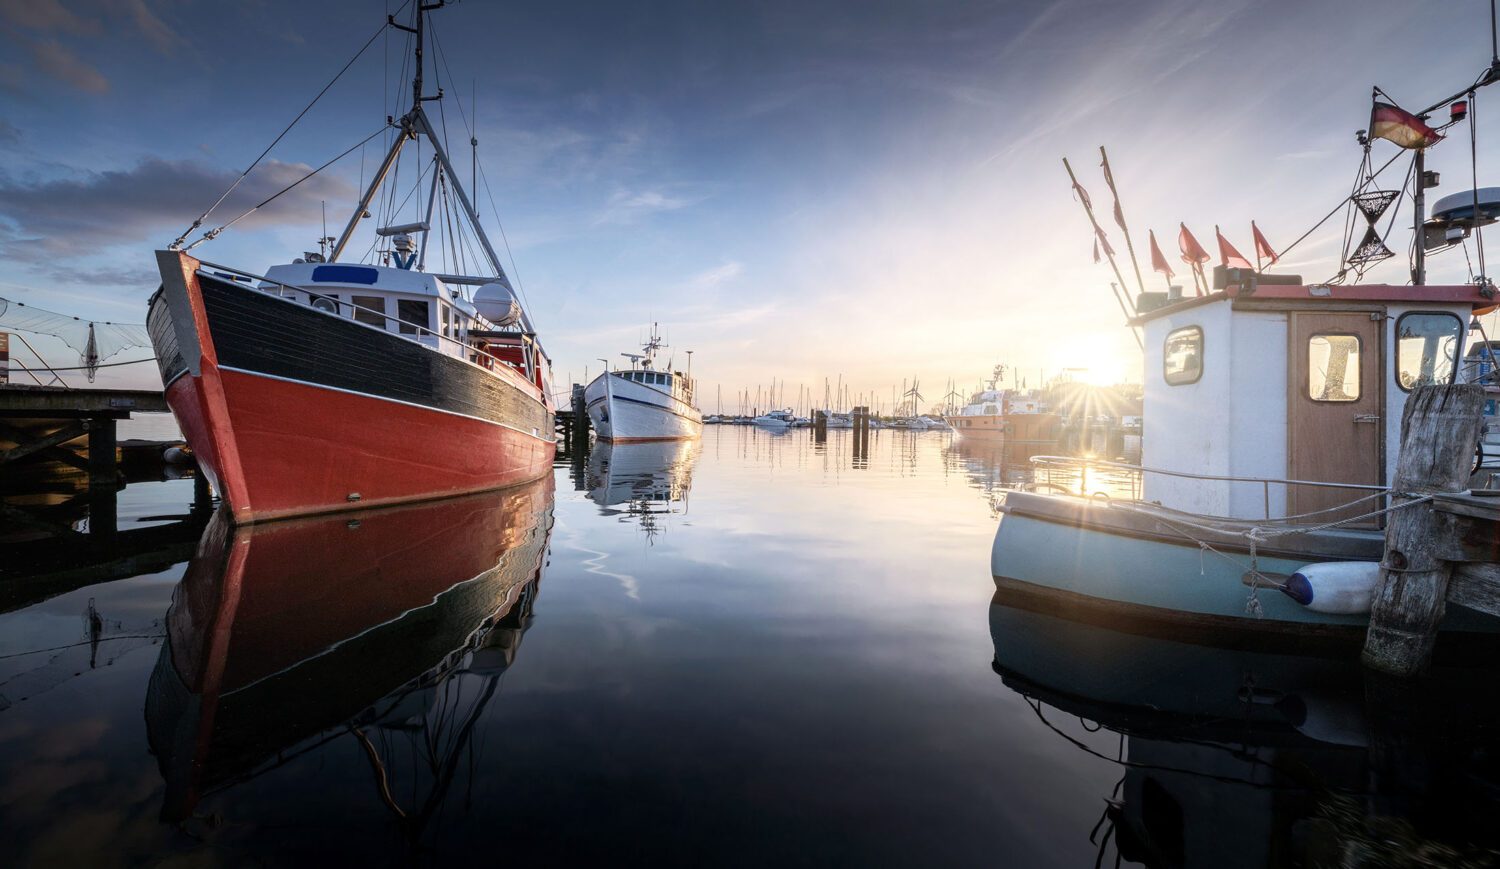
{"points": [[644, 480], [292, 633], [1233, 757]]}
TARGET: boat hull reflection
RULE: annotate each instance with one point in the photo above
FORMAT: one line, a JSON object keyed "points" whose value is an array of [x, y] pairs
{"points": [[281, 631], [645, 478], [1233, 757]]}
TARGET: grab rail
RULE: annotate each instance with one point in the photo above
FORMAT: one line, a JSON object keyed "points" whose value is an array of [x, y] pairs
{"points": [[464, 347], [1265, 482]]}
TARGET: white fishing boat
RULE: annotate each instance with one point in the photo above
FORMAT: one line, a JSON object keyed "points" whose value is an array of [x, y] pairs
{"points": [[642, 403]]}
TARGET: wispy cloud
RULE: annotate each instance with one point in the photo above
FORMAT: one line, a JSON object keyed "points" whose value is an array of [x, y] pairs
{"points": [[627, 206], [58, 61]]}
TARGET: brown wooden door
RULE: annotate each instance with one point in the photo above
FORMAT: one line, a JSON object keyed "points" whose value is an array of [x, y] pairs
{"points": [[1334, 406]]}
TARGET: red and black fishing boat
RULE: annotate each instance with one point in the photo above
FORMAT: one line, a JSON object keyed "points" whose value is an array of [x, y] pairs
{"points": [[324, 385]]}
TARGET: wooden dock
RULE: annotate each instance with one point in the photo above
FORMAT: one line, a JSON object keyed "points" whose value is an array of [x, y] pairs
{"points": [[74, 427]]}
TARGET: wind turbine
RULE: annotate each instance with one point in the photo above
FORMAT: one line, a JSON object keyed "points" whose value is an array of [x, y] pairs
{"points": [[914, 394]]}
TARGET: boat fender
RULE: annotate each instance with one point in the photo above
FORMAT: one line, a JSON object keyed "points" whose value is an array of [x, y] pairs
{"points": [[1337, 587]]}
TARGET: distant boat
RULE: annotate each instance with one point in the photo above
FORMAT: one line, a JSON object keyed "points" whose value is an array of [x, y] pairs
{"points": [[642, 403], [325, 385], [995, 414], [776, 419]]}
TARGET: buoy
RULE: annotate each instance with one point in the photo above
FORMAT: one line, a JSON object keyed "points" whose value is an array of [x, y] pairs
{"points": [[1338, 587]]}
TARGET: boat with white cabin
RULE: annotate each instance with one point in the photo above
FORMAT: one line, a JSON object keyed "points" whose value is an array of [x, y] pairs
{"points": [[1272, 423], [642, 402], [329, 383]]}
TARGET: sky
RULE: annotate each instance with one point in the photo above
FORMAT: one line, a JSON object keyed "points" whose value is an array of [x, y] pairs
{"points": [[795, 190]]}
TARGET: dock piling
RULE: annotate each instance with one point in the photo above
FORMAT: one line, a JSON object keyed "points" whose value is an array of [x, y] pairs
{"points": [[1439, 429]]}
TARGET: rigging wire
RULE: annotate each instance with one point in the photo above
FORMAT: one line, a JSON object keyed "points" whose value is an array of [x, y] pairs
{"points": [[1483, 275], [214, 233], [305, 109], [1358, 189]]}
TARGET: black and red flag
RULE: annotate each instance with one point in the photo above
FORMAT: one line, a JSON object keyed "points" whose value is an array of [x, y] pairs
{"points": [[1395, 124]]}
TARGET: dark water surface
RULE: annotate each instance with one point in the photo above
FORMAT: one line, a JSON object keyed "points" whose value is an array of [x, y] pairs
{"points": [[752, 650]]}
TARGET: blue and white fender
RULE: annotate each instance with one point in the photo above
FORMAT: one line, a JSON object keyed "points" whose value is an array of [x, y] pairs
{"points": [[1338, 587]]}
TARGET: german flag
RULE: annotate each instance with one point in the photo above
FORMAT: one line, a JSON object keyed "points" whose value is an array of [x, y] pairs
{"points": [[1400, 126]]}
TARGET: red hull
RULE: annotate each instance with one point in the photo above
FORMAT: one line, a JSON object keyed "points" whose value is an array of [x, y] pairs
{"points": [[289, 449], [275, 447]]}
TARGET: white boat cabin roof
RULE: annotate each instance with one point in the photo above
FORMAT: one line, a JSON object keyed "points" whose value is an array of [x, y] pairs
{"points": [[1290, 383]]}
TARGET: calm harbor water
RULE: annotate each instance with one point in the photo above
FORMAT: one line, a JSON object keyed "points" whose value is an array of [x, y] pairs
{"points": [[747, 650]]}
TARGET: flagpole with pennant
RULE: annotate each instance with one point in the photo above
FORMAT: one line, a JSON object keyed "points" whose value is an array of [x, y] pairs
{"points": [[1158, 262], [1109, 178], [1118, 289], [1263, 249], [1194, 255]]}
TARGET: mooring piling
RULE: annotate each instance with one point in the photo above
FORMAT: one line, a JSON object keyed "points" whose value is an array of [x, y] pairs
{"points": [[1439, 429]]}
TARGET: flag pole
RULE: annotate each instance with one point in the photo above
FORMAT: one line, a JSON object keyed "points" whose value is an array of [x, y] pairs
{"points": [[1098, 231], [1255, 242], [1109, 178], [1119, 297]]}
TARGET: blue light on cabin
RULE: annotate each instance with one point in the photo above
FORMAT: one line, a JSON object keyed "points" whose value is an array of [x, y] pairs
{"points": [[345, 274]]}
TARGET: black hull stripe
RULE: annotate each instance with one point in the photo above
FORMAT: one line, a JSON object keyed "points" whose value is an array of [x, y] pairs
{"points": [[258, 333]]}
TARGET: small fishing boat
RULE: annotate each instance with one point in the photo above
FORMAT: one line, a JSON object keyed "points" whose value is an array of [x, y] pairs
{"points": [[324, 384], [642, 403], [1271, 429]]}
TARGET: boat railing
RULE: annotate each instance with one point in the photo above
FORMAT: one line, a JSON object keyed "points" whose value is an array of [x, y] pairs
{"points": [[1140, 472], [223, 271]]}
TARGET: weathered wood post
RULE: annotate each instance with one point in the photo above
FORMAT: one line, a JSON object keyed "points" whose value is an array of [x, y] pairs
{"points": [[1439, 428], [579, 442], [104, 480], [820, 426]]}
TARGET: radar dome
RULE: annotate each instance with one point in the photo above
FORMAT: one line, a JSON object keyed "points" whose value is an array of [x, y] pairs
{"points": [[496, 303]]}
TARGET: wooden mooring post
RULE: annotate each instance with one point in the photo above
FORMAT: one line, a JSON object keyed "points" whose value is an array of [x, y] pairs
{"points": [[820, 426], [1439, 429], [861, 434]]}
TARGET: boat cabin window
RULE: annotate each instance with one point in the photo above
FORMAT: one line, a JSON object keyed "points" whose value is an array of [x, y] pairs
{"points": [[414, 315], [1427, 348], [369, 317], [1333, 368], [1182, 358]]}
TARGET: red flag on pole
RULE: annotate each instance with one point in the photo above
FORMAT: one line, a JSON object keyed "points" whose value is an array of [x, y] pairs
{"points": [[1104, 240], [1263, 249], [1192, 252], [1230, 257], [1159, 262]]}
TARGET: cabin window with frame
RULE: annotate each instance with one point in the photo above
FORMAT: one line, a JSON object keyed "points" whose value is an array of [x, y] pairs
{"points": [[414, 315], [1182, 356], [369, 310], [1333, 370], [1427, 348]]}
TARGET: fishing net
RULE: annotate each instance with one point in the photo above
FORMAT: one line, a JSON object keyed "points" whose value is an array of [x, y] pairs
{"points": [[94, 340], [1373, 203], [1371, 250]]}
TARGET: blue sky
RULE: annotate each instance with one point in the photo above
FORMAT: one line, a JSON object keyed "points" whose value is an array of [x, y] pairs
{"points": [[794, 190]]}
